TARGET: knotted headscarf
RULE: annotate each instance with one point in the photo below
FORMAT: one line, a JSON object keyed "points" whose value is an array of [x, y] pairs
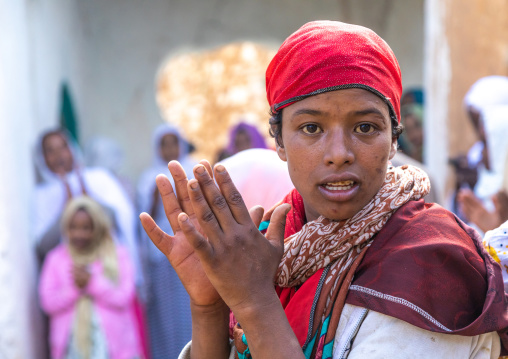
{"points": [[326, 56]]}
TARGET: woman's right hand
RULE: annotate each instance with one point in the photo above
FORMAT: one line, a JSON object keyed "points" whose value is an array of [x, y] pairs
{"points": [[177, 249]]}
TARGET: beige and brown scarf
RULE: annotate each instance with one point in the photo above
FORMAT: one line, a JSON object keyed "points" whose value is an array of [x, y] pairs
{"points": [[340, 247]]}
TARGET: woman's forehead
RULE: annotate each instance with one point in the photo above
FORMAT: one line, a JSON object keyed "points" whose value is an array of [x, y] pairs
{"points": [[348, 100], [54, 138]]}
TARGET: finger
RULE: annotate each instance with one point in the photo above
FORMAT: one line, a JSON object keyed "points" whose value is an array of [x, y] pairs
{"points": [[169, 201], [275, 231], [232, 195], [256, 214], [216, 201], [208, 167], [180, 178], [201, 246], [203, 212], [161, 240]]}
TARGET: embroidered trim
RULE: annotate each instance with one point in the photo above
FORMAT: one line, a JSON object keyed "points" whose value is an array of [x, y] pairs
{"points": [[314, 304], [400, 301], [277, 106]]}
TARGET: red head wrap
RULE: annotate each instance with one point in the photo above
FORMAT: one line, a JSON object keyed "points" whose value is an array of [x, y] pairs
{"points": [[329, 55]]}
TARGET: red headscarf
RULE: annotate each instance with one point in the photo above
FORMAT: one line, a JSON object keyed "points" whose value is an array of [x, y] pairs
{"points": [[329, 55]]}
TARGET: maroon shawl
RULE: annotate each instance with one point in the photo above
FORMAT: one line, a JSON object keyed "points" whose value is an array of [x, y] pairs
{"points": [[425, 267]]}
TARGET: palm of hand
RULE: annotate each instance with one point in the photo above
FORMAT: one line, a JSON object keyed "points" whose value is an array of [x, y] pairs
{"points": [[176, 248], [187, 265]]}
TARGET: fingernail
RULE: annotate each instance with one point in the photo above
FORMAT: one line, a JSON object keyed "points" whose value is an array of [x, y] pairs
{"points": [[200, 169], [183, 217], [194, 185], [220, 168]]}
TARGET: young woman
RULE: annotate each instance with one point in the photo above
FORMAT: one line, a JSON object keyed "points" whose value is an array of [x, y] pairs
{"points": [[367, 268], [87, 289], [169, 316]]}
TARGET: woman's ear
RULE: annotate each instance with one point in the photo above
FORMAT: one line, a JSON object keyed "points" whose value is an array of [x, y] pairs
{"points": [[393, 149], [281, 151]]}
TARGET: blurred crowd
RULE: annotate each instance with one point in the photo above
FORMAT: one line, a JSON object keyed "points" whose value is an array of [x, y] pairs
{"points": [[105, 289], [108, 292]]}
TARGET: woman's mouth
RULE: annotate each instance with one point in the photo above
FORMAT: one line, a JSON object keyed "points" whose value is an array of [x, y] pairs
{"points": [[339, 191], [339, 186]]}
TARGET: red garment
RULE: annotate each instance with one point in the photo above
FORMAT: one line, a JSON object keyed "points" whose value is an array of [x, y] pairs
{"points": [[329, 55], [424, 267]]}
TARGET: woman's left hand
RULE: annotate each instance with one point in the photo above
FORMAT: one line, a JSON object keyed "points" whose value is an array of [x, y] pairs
{"points": [[238, 260], [81, 276]]}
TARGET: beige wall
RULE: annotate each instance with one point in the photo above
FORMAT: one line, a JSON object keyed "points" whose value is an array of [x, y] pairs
{"points": [[477, 32], [465, 40], [126, 41]]}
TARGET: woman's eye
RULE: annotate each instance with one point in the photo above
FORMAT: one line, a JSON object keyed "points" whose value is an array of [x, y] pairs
{"points": [[365, 128], [311, 129]]}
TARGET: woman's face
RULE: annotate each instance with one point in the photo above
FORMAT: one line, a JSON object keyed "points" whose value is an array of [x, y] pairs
{"points": [[57, 154], [170, 147], [81, 231], [337, 145], [242, 141], [414, 130]]}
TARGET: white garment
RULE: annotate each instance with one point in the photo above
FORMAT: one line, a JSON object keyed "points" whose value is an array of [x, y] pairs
{"points": [[475, 153], [50, 196], [486, 92], [260, 176], [495, 121], [496, 243], [382, 336], [375, 335]]}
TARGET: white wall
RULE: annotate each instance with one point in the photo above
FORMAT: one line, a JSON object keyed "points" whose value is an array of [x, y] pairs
{"points": [[39, 48], [438, 73], [17, 266]]}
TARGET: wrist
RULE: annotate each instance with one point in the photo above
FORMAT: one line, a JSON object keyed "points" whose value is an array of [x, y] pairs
{"points": [[215, 310], [210, 330], [265, 301]]}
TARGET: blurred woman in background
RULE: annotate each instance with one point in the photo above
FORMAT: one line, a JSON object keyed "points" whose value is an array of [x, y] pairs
{"points": [[87, 289], [167, 301], [242, 137]]}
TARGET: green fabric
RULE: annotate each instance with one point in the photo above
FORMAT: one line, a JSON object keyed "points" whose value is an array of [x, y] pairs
{"points": [[68, 118]]}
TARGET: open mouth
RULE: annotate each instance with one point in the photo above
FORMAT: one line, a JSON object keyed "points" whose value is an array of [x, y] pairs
{"points": [[339, 186]]}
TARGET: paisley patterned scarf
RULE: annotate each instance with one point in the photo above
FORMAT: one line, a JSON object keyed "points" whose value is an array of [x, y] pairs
{"points": [[338, 246]]}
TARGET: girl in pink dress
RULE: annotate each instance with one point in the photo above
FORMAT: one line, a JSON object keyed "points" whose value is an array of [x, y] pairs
{"points": [[87, 289]]}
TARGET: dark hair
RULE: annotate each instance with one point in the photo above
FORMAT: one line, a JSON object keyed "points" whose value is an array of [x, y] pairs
{"points": [[276, 127]]}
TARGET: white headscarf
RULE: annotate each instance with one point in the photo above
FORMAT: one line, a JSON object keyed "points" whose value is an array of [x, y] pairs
{"points": [[486, 92], [260, 176], [495, 121], [45, 174]]}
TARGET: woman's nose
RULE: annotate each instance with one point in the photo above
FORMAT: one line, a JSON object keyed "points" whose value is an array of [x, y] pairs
{"points": [[338, 148]]}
